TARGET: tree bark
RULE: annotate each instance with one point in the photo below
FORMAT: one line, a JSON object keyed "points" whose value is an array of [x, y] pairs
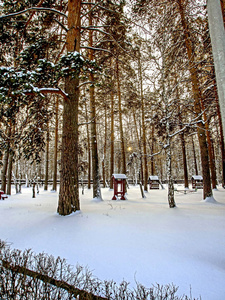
{"points": [[112, 141], [182, 138], [211, 154], [222, 2], [46, 158], [221, 137], [69, 185], [184, 160], [54, 186], [171, 200], [194, 157], [88, 147], [123, 153], [217, 34], [104, 152], [140, 166], [94, 145], [5, 161], [9, 174], [4, 170], [207, 190], [170, 182], [145, 164], [152, 151]]}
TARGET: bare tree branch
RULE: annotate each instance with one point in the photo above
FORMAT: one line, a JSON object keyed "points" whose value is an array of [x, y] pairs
{"points": [[97, 4], [87, 82], [33, 9], [57, 21], [47, 91], [97, 49]]}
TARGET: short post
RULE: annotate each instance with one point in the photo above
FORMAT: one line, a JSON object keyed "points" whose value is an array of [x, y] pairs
{"points": [[33, 188], [142, 192]]}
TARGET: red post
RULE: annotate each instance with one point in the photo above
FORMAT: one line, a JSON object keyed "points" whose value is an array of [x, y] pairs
{"points": [[1, 193], [115, 189]]}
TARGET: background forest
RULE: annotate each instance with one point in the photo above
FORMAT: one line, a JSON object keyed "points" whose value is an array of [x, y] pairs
{"points": [[89, 89]]}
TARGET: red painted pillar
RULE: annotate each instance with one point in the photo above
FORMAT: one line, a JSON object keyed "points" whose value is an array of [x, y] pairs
{"points": [[115, 185]]}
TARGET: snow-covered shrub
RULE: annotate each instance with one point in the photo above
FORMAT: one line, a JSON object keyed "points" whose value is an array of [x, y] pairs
{"points": [[25, 275]]}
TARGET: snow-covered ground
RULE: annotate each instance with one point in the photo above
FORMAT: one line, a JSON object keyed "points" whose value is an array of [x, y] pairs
{"points": [[137, 240]]}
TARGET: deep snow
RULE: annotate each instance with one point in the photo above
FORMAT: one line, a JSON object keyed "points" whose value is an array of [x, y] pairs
{"points": [[137, 239]]}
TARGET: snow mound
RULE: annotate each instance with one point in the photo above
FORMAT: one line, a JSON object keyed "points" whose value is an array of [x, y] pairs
{"points": [[97, 199], [209, 200]]}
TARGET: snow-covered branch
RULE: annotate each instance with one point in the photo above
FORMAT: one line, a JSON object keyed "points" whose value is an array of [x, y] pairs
{"points": [[179, 131], [86, 82], [86, 123], [97, 49], [33, 9], [157, 153], [94, 26], [47, 91]]}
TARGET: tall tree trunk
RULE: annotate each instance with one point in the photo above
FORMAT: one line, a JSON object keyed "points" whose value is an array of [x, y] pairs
{"points": [[141, 173], [145, 164], [19, 176], [88, 147], [9, 174], [182, 138], [54, 186], [223, 12], [10, 163], [207, 190], [94, 145], [211, 154], [118, 155], [4, 170], [112, 141], [104, 152], [183, 146], [167, 147], [171, 199], [123, 153], [184, 160], [46, 158], [221, 136], [140, 169], [194, 157], [69, 185], [152, 151], [214, 184], [5, 160], [217, 34]]}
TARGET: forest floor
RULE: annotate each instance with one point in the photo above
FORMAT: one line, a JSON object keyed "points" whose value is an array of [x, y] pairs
{"points": [[137, 240]]}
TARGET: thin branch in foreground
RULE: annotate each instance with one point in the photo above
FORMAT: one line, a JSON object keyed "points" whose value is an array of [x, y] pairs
{"points": [[47, 279]]}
